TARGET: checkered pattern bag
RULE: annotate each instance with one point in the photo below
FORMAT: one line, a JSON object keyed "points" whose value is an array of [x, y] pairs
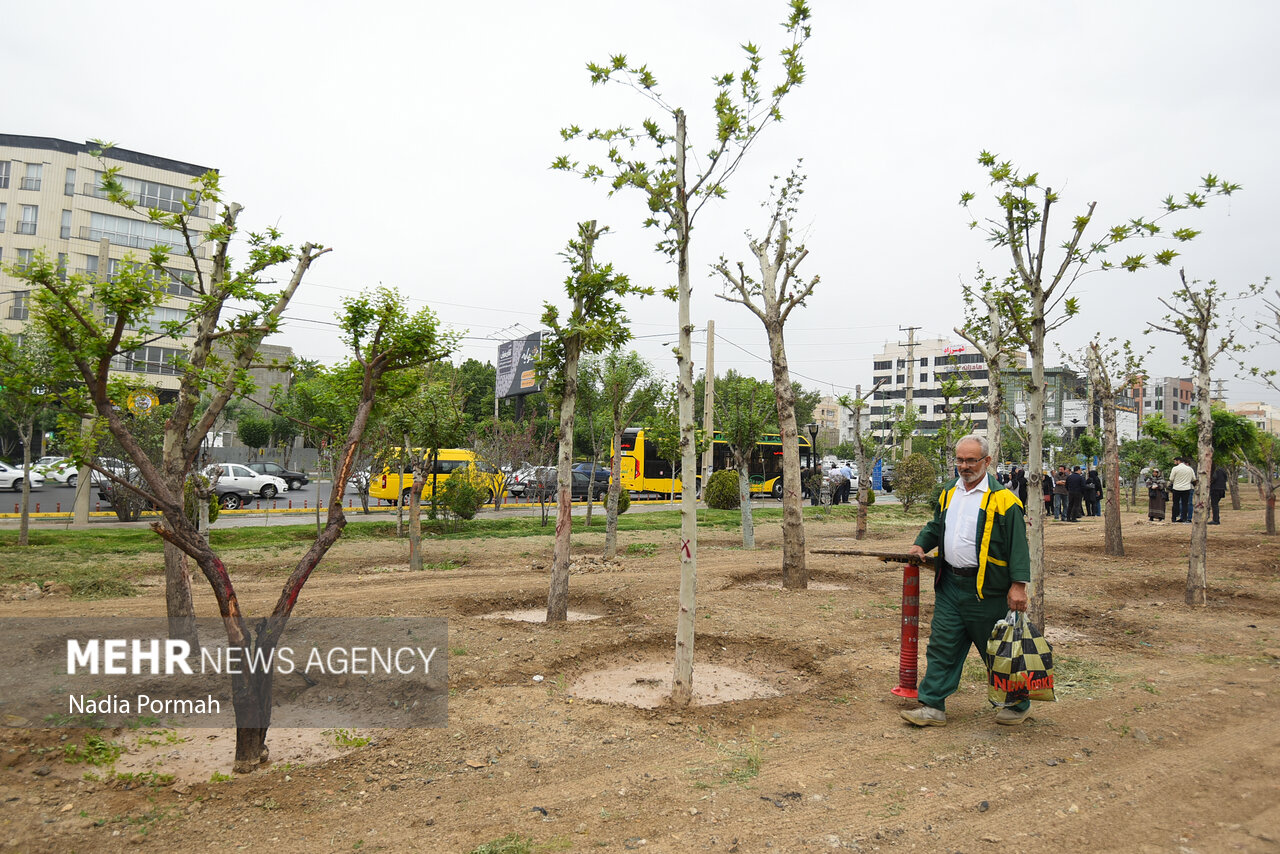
{"points": [[1020, 663]]}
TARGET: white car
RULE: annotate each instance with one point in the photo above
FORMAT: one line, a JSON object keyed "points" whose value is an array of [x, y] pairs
{"points": [[234, 483], [11, 478], [59, 470]]}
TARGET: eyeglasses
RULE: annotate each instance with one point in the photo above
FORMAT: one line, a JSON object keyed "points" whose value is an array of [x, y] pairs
{"points": [[967, 461]]}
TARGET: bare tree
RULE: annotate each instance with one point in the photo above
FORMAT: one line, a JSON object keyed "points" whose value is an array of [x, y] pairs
{"points": [[1112, 369], [772, 299]]}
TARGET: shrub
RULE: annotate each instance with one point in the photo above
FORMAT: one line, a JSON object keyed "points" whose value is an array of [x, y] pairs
{"points": [[624, 501], [914, 478], [721, 491], [460, 497]]}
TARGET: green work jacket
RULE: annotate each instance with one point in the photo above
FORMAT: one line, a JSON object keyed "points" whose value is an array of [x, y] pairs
{"points": [[1003, 557]]}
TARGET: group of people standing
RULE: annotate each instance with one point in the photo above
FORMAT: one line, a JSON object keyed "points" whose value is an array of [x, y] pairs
{"points": [[839, 483], [1180, 484], [1068, 495]]}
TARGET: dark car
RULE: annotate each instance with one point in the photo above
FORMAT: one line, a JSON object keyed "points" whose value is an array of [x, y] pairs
{"points": [[541, 486], [295, 479], [602, 472]]}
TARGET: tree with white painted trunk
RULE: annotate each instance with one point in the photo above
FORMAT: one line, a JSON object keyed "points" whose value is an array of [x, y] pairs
{"points": [[771, 298], [1195, 318], [742, 108], [1038, 301]]}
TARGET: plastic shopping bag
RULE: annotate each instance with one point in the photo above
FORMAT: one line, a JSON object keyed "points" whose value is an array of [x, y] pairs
{"points": [[1020, 663]]}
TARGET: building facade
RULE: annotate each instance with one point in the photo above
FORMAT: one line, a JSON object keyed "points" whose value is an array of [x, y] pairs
{"points": [[1263, 415], [51, 201], [1170, 397], [944, 378]]}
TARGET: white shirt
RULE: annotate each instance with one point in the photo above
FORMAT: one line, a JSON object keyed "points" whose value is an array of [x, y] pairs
{"points": [[1182, 478], [960, 542]]}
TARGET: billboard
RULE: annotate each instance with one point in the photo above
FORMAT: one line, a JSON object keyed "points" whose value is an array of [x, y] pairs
{"points": [[517, 373]]}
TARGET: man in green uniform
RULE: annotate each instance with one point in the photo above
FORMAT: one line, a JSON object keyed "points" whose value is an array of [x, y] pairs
{"points": [[981, 573]]}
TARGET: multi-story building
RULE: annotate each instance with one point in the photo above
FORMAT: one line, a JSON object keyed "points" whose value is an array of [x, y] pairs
{"points": [[928, 367], [1263, 415], [1171, 397], [76, 226], [1066, 404]]}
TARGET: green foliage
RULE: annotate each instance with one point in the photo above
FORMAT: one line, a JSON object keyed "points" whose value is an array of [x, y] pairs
{"points": [[253, 431], [461, 497], [624, 501], [744, 410], [914, 478], [1233, 438], [95, 750], [512, 843], [721, 490]]}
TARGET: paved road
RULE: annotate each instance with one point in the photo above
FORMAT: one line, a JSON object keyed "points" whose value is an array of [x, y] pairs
{"points": [[297, 507]]}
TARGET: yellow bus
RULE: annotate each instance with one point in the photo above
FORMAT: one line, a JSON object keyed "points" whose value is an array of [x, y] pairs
{"points": [[395, 482], [644, 471]]}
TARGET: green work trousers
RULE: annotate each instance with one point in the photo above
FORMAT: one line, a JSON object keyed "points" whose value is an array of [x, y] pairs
{"points": [[960, 618]]}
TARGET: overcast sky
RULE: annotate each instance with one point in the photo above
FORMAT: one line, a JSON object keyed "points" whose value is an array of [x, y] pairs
{"points": [[415, 139]]}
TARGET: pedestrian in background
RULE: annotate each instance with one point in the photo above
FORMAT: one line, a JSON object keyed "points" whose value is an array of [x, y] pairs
{"points": [[1217, 491]]}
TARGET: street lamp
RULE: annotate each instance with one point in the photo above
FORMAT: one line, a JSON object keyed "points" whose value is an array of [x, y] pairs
{"points": [[813, 441]]}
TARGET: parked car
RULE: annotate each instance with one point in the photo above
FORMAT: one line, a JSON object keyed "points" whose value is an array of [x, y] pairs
{"points": [[59, 470], [234, 482], [542, 486], [295, 479], [11, 478]]}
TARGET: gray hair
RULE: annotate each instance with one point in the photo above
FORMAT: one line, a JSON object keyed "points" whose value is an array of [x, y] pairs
{"points": [[981, 440]]}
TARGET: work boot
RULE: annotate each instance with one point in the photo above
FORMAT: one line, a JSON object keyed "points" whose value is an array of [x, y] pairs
{"points": [[925, 716], [1011, 717]]}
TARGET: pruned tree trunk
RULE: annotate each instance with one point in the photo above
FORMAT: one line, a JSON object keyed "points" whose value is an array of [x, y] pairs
{"points": [[1198, 564], [177, 595], [415, 510], [558, 596], [24, 523], [1100, 381], [1233, 486], [795, 572], [682, 680], [1035, 439], [615, 494], [744, 501]]}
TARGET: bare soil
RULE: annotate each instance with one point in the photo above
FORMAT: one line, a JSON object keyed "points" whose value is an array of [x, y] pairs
{"points": [[1165, 737]]}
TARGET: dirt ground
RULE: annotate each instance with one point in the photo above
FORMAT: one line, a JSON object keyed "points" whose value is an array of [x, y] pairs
{"points": [[1165, 738]]}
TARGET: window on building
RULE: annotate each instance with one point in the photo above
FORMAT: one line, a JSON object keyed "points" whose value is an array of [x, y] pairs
{"points": [[886, 365], [150, 194], [924, 378], [61, 271], [32, 179], [69, 188], [4, 174], [30, 214], [901, 379], [148, 360], [66, 225], [18, 309], [4, 209], [25, 257], [138, 234], [171, 280]]}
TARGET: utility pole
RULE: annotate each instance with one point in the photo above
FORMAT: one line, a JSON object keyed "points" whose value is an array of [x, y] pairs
{"points": [[908, 404], [1220, 394], [709, 403]]}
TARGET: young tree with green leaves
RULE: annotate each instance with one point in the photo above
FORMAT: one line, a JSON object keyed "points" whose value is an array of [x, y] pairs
{"points": [[427, 420], [744, 409], [595, 323], [627, 388], [866, 451], [742, 109], [1194, 318], [1039, 299], [772, 298], [96, 321], [34, 373], [985, 329]]}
